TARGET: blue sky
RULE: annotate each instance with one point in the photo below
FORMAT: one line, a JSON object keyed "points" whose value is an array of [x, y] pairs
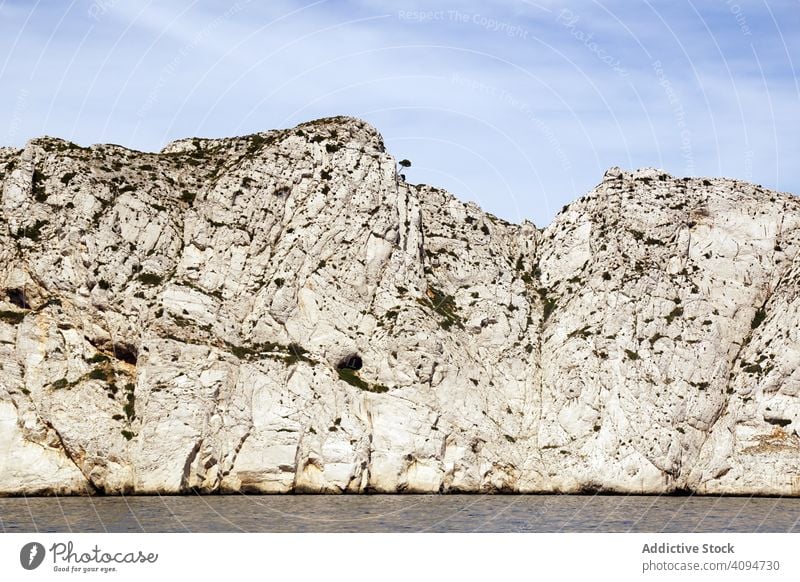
{"points": [[519, 106]]}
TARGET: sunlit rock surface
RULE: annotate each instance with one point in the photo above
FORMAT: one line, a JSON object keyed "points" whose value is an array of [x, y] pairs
{"points": [[283, 312]]}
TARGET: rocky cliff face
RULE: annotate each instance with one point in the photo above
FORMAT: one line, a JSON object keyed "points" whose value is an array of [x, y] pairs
{"points": [[282, 312]]}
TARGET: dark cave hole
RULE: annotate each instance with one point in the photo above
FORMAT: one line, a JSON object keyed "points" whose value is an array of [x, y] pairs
{"points": [[121, 351], [351, 362], [126, 353], [17, 297]]}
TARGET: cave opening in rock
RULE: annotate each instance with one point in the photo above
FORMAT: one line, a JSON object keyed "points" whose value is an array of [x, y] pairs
{"points": [[126, 353], [17, 297], [122, 351], [350, 362]]}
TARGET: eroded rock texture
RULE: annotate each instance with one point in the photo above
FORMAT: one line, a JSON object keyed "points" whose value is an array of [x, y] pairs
{"points": [[282, 312]]}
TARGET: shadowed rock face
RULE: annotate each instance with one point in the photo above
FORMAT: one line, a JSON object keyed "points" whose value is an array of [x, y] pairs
{"points": [[282, 312]]}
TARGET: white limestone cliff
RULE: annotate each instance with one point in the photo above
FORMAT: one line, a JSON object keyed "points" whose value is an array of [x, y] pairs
{"points": [[191, 320]]}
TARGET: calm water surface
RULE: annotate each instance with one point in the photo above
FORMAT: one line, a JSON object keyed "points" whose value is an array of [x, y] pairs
{"points": [[400, 513]]}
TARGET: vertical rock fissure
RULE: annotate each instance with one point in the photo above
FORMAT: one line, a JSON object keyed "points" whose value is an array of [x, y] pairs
{"points": [[67, 453], [187, 466]]}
